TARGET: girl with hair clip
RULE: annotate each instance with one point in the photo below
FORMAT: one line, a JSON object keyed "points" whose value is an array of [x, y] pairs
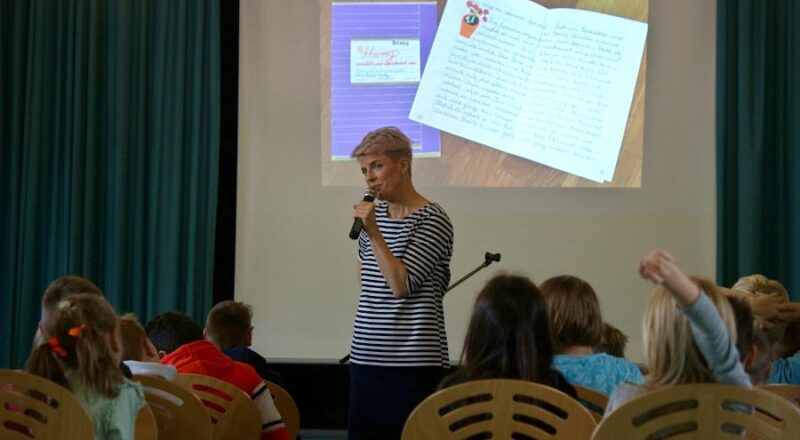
{"points": [[689, 333], [83, 354], [509, 337]]}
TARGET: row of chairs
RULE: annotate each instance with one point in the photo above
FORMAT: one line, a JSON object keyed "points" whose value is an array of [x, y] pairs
{"points": [[194, 406], [505, 409]]}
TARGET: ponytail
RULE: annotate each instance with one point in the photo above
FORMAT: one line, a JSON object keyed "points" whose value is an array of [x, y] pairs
{"points": [[43, 363]]}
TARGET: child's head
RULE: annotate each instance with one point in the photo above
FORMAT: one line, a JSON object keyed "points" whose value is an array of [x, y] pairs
{"points": [[59, 289], [760, 367], [758, 284], [671, 353], [228, 325], [509, 334], [574, 312], [790, 343], [613, 341], [743, 316], [85, 342], [170, 330], [136, 346]]}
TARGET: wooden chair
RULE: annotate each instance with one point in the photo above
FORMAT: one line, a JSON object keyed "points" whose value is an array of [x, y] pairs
{"points": [[594, 401], [34, 407], [702, 411], [287, 407], [146, 428], [178, 412], [498, 409], [789, 392], [233, 414]]}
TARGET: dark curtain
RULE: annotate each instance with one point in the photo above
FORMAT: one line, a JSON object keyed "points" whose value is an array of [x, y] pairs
{"points": [[109, 138], [758, 140]]}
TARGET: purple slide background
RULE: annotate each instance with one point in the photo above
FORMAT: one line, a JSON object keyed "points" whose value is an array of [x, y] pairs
{"points": [[356, 110]]}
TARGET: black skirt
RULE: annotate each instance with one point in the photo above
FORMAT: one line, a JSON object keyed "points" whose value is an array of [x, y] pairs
{"points": [[382, 398]]}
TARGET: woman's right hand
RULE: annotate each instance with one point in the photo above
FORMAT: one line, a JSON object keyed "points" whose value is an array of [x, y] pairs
{"points": [[366, 212]]}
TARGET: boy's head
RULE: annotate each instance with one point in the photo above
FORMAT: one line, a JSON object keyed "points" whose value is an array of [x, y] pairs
{"points": [[613, 341], [228, 325], [170, 330], [136, 346], [758, 284]]}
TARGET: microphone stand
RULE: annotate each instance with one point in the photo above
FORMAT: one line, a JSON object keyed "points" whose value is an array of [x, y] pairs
{"points": [[488, 258]]}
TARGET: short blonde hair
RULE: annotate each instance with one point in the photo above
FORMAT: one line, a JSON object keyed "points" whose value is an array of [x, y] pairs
{"points": [[133, 336], [385, 140], [758, 284], [671, 353]]}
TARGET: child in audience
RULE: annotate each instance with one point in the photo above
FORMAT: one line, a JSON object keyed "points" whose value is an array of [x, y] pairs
{"points": [[754, 350], [60, 288], [689, 333], [138, 353], [509, 337], [229, 327], [613, 342], [786, 368], [577, 327], [179, 342], [82, 353]]}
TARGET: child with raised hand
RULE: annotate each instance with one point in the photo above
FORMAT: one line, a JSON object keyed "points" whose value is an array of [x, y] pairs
{"points": [[689, 332], [82, 353]]}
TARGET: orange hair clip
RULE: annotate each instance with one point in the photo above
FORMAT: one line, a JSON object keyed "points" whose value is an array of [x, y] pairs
{"points": [[56, 347], [76, 331]]}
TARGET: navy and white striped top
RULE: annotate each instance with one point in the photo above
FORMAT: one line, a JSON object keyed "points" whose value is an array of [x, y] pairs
{"points": [[405, 332]]}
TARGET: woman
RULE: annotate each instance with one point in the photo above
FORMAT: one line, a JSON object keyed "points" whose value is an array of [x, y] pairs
{"points": [[399, 348], [509, 337]]}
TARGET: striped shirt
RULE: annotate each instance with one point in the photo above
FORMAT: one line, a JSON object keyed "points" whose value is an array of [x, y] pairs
{"points": [[405, 332]]}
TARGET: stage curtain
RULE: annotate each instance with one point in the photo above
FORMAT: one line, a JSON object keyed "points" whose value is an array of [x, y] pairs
{"points": [[109, 159], [758, 140]]}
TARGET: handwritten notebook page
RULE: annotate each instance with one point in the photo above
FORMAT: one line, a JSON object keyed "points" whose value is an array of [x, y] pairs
{"points": [[552, 86]]}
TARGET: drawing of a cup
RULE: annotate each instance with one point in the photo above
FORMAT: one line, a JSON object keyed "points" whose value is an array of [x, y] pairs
{"points": [[468, 25]]}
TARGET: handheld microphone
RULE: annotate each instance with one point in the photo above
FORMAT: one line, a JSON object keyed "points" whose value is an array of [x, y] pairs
{"points": [[358, 225]]}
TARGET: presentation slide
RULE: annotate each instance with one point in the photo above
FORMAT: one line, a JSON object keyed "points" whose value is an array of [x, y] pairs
{"points": [[492, 93]]}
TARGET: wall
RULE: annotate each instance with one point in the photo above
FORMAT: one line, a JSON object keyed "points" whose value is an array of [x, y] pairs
{"points": [[296, 266]]}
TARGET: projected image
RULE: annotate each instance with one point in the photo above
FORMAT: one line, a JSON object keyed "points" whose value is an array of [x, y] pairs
{"points": [[378, 51], [510, 93]]}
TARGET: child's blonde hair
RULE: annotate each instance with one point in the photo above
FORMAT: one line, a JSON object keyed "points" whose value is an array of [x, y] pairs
{"points": [[758, 284], [78, 344], [670, 350]]}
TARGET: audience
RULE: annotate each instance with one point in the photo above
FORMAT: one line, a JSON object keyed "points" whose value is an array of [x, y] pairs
{"points": [[754, 350], [612, 342], [689, 333], [229, 326], [138, 353], [82, 353], [179, 342], [509, 337], [574, 312]]}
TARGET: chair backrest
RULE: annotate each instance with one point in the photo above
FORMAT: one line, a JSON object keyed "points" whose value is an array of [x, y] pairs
{"points": [[233, 414], [789, 392], [178, 412], [499, 408], [287, 407], [593, 400], [34, 407], [146, 428], [705, 411]]}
